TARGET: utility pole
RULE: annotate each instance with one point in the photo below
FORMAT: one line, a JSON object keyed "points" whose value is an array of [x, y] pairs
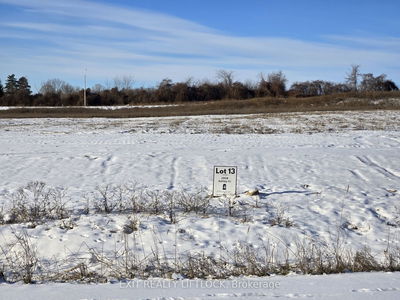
{"points": [[84, 90]]}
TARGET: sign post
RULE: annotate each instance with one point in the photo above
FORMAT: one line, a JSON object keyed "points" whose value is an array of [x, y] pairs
{"points": [[225, 181]]}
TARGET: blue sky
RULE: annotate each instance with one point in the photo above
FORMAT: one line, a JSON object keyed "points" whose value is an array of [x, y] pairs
{"points": [[154, 39]]}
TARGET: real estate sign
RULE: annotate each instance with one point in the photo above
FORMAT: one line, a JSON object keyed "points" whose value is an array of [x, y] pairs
{"points": [[224, 181]]}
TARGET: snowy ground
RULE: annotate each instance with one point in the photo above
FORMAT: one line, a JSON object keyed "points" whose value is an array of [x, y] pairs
{"points": [[358, 286], [312, 122], [324, 171], [114, 107]]}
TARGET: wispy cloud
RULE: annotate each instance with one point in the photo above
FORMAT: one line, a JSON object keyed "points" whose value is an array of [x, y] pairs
{"points": [[109, 40], [387, 43]]}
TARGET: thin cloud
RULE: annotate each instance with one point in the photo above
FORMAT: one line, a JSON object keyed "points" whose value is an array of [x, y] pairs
{"points": [[387, 43], [111, 40]]}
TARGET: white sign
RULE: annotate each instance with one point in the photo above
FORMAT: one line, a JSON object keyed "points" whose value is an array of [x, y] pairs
{"points": [[225, 180]]}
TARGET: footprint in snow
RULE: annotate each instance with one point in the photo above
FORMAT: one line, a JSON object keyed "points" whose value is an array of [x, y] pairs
{"points": [[89, 157], [100, 240]]}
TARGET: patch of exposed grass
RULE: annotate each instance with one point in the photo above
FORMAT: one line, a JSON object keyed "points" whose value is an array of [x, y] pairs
{"points": [[339, 102]]}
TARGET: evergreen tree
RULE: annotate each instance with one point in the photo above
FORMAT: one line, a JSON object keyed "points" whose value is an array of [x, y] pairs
{"points": [[23, 86], [11, 85], [22, 95], [1, 90]]}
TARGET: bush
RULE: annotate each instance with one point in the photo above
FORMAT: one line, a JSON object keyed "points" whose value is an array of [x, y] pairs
{"points": [[196, 202], [110, 198], [19, 259], [36, 202]]}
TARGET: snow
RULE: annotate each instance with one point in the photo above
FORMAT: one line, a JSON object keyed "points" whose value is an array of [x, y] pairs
{"points": [[276, 123], [357, 286], [324, 170], [114, 107]]}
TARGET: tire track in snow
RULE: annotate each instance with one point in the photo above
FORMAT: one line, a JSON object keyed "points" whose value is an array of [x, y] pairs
{"points": [[370, 163], [357, 174]]}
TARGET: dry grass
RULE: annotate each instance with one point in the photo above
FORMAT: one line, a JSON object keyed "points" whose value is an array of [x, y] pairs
{"points": [[21, 261], [340, 102]]}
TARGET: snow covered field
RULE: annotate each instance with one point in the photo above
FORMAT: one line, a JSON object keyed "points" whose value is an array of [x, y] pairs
{"points": [[325, 173], [358, 286], [114, 107]]}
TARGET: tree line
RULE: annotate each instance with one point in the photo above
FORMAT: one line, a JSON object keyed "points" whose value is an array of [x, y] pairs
{"points": [[56, 92]]}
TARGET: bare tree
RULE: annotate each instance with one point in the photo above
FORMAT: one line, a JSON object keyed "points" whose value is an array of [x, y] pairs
{"points": [[273, 86], [316, 88], [277, 82], [379, 83], [124, 82], [352, 77], [164, 92], [51, 86], [370, 82], [98, 88], [226, 78], [68, 89], [56, 86]]}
